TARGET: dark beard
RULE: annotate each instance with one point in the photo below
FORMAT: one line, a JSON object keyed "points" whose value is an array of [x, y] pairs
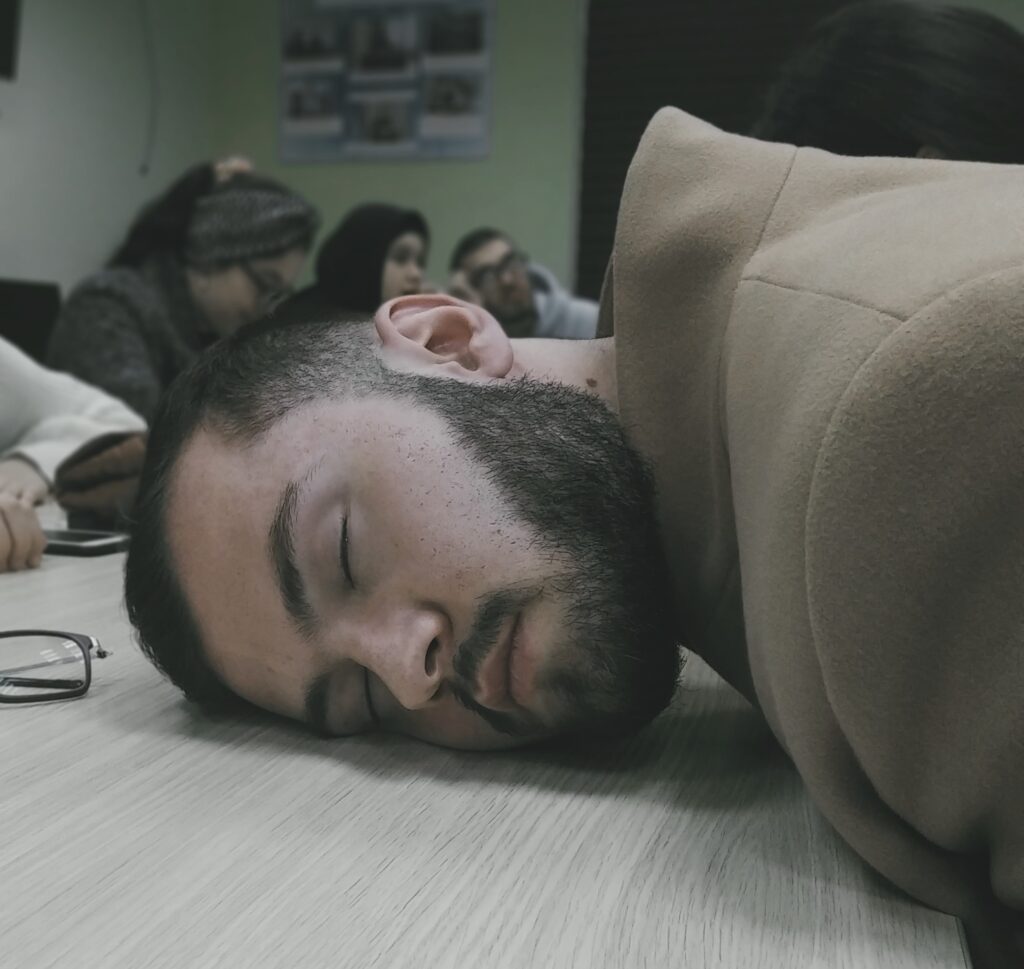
{"points": [[560, 459]]}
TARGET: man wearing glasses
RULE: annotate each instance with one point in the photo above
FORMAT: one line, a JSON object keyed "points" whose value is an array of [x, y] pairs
{"points": [[488, 269]]}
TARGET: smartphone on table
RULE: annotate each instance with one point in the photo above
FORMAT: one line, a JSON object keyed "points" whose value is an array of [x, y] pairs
{"points": [[83, 541]]}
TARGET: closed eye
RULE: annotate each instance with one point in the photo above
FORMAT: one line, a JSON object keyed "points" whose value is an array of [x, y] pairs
{"points": [[346, 571]]}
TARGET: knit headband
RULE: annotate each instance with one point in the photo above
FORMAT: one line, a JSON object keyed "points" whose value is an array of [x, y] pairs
{"points": [[243, 220]]}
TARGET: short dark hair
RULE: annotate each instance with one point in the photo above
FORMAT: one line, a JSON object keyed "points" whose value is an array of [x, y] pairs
{"points": [[889, 77], [239, 389], [472, 241]]}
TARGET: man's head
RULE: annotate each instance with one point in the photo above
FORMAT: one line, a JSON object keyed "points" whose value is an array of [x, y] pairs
{"points": [[496, 270], [365, 524]]}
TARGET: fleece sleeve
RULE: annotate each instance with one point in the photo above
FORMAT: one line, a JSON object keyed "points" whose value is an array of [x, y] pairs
{"points": [[98, 339]]}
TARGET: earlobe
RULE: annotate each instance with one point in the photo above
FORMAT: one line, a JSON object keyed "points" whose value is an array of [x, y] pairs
{"points": [[438, 334]]}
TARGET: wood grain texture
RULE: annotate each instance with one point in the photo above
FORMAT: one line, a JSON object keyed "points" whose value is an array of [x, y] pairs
{"points": [[135, 834]]}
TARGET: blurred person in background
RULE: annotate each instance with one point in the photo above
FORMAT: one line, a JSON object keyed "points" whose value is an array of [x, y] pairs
{"points": [[46, 419], [216, 251], [903, 79], [377, 252], [489, 269]]}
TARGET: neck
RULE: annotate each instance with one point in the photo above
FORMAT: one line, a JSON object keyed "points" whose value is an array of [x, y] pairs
{"points": [[588, 365]]}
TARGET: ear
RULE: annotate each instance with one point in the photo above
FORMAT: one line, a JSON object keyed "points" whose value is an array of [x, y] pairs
{"points": [[437, 334], [459, 287]]}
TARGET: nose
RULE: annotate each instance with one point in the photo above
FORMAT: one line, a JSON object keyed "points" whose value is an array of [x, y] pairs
{"points": [[410, 649]]}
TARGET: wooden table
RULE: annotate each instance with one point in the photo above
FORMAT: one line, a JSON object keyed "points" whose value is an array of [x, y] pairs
{"points": [[135, 834]]}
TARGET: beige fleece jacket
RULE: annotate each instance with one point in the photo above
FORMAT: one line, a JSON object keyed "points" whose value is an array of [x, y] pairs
{"points": [[823, 358]]}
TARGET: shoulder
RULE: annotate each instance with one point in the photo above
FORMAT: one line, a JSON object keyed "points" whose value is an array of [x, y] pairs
{"points": [[914, 552], [121, 303], [560, 313], [936, 410], [948, 377]]}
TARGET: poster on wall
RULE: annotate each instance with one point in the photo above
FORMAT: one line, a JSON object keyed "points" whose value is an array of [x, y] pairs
{"points": [[382, 79]]}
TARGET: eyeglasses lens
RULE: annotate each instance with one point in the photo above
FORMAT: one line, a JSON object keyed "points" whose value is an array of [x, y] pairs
{"points": [[487, 277], [40, 667]]}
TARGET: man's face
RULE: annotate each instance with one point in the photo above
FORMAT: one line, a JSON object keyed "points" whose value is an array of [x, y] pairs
{"points": [[364, 564], [498, 273]]}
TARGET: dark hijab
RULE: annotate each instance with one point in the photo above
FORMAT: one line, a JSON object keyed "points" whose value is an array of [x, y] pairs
{"points": [[350, 263]]}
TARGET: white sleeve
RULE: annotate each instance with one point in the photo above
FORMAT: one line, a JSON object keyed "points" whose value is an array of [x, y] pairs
{"points": [[45, 416]]}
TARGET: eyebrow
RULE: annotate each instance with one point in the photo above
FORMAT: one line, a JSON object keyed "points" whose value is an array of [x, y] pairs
{"points": [[281, 544]]}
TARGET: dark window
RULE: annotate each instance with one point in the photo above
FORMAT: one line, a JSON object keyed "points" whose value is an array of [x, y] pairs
{"points": [[713, 58], [9, 10]]}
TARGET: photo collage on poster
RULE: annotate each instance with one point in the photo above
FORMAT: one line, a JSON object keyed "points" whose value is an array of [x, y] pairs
{"points": [[361, 79]]}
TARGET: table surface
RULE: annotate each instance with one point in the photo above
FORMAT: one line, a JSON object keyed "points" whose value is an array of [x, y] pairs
{"points": [[137, 834]]}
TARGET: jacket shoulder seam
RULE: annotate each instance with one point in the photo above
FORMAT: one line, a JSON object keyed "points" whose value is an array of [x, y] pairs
{"points": [[811, 291]]}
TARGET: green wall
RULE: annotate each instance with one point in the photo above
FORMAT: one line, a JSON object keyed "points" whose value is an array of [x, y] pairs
{"points": [[528, 183]]}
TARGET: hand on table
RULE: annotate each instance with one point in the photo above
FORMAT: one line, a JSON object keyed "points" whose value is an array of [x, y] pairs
{"points": [[20, 480], [21, 538], [460, 287], [226, 168]]}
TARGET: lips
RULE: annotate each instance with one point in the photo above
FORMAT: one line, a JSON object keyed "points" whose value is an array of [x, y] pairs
{"points": [[492, 683]]}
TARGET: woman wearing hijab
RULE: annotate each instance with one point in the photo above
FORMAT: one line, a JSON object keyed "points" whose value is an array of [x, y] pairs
{"points": [[216, 251], [376, 253]]}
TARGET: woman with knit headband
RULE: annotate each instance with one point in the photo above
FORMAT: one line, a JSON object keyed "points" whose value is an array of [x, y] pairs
{"points": [[216, 251]]}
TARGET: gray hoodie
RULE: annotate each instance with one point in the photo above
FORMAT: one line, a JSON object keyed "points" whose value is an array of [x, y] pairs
{"points": [[559, 313]]}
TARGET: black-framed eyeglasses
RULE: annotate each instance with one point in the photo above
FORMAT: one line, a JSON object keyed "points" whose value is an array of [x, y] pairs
{"points": [[486, 277], [270, 291], [39, 665]]}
